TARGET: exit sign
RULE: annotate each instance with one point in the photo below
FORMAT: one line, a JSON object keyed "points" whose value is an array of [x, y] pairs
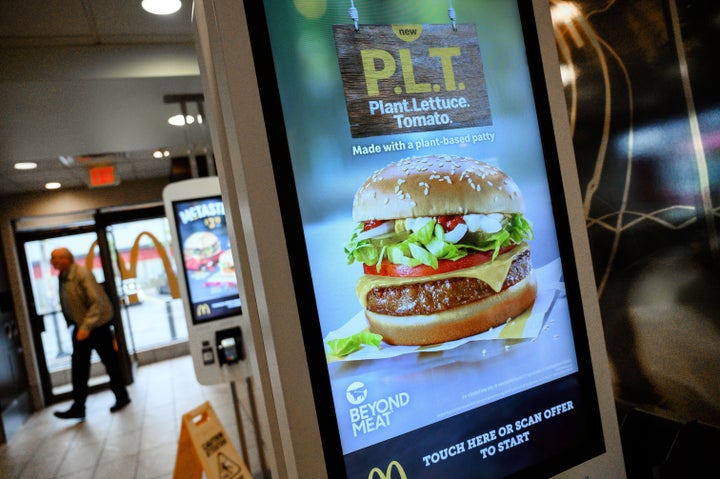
{"points": [[102, 176]]}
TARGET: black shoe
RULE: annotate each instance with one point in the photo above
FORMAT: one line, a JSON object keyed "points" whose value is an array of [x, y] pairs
{"points": [[71, 413], [120, 404]]}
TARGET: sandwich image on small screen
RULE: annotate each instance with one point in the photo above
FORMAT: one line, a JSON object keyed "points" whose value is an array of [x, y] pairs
{"points": [[207, 260]]}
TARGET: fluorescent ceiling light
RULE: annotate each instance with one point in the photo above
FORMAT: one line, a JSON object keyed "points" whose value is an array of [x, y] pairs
{"points": [[161, 7], [25, 165], [53, 185]]}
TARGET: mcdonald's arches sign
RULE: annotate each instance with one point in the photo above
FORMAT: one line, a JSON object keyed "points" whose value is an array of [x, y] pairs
{"points": [[393, 471]]}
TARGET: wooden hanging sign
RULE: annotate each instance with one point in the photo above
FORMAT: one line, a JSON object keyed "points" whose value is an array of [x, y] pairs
{"points": [[411, 78], [204, 446]]}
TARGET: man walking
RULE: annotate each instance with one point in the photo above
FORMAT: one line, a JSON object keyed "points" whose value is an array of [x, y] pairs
{"points": [[88, 310]]}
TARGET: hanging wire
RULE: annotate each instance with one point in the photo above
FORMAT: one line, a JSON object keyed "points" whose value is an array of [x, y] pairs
{"points": [[451, 15], [354, 15]]}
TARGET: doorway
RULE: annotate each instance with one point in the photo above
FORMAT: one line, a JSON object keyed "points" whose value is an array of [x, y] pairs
{"points": [[128, 251], [51, 335], [143, 269]]}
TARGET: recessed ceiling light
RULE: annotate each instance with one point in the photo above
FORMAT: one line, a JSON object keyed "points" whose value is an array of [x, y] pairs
{"points": [[25, 165], [53, 185], [161, 7], [177, 120]]}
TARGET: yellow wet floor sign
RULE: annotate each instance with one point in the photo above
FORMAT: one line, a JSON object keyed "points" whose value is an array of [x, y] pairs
{"points": [[204, 446]]}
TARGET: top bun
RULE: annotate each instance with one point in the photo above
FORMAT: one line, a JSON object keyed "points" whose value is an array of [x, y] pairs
{"points": [[436, 185], [201, 239]]}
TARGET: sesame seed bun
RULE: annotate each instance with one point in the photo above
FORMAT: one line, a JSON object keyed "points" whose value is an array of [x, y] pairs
{"points": [[436, 185]]}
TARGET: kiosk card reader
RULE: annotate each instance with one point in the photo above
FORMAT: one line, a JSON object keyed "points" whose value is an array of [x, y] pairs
{"points": [[229, 345], [207, 279]]}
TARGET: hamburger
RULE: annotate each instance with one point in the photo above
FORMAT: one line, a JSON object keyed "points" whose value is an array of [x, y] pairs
{"points": [[443, 244], [225, 262], [201, 250]]}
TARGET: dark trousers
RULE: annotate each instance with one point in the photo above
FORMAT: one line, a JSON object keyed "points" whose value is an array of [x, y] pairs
{"points": [[101, 340]]}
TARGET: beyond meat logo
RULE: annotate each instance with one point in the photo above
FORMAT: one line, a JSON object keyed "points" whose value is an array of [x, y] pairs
{"points": [[356, 393], [371, 416]]}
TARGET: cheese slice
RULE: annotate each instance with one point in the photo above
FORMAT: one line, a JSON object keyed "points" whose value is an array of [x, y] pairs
{"points": [[493, 273]]}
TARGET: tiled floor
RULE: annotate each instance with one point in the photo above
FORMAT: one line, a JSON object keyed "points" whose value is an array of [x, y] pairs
{"points": [[139, 442]]}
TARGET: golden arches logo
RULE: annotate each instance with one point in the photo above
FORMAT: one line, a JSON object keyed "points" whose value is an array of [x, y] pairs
{"points": [[203, 309], [130, 272], [388, 474]]}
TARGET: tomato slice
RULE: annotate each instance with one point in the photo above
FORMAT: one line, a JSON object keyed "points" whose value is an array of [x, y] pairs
{"points": [[444, 265], [372, 224], [449, 223]]}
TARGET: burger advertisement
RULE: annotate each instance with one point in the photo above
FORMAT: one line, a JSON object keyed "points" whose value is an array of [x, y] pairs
{"points": [[442, 240], [439, 272], [207, 258]]}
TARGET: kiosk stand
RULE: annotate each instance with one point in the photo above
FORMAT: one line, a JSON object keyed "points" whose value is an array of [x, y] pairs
{"points": [[324, 116], [211, 297]]}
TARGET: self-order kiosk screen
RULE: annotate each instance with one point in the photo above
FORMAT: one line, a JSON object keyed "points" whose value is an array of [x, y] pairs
{"points": [[429, 195], [207, 260]]}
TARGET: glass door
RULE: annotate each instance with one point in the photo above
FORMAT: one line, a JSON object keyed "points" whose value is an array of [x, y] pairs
{"points": [[128, 249], [50, 330], [143, 267]]}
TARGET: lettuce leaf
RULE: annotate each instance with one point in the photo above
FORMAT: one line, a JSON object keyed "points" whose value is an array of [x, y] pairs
{"points": [[427, 245], [345, 346]]}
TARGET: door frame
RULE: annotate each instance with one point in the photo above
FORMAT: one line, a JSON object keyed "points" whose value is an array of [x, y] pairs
{"points": [[35, 320]]}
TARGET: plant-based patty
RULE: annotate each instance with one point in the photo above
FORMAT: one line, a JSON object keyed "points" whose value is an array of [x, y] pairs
{"points": [[441, 295]]}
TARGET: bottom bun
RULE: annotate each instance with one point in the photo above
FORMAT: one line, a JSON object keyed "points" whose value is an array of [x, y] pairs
{"points": [[456, 323]]}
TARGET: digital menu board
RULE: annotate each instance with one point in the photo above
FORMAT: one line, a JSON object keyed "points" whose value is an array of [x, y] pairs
{"points": [[428, 232], [207, 261]]}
